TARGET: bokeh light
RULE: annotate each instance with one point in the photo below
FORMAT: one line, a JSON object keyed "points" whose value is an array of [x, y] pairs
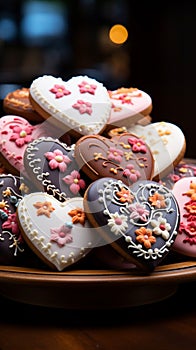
{"points": [[118, 34]]}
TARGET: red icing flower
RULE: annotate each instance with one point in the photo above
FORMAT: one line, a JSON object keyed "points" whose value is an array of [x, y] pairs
{"points": [[83, 107], [75, 182], [125, 98], [86, 87], [21, 135], [138, 145], [11, 224], [189, 229], [190, 207], [60, 91]]}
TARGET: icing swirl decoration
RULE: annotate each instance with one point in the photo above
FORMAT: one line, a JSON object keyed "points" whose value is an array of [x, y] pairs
{"points": [[140, 221]]}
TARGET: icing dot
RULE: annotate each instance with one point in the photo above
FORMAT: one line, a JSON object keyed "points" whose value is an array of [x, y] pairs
{"points": [[76, 181], [162, 227], [62, 234], [59, 158], [118, 221], [23, 133]]}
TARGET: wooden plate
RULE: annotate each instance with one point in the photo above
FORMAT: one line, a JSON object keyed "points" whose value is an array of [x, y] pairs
{"points": [[93, 289]]}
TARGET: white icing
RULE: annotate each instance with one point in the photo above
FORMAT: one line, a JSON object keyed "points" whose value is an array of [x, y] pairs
{"points": [[37, 229], [166, 148], [62, 108]]}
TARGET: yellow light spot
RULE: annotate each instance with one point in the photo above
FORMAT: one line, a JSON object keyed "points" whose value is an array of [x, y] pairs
{"points": [[118, 34]]}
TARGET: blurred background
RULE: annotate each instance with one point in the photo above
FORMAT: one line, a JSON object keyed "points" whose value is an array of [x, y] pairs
{"points": [[153, 51]]}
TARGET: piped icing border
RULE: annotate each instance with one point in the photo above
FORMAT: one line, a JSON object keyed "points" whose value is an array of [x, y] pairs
{"points": [[68, 112]]}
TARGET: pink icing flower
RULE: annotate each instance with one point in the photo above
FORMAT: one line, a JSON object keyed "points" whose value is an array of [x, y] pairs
{"points": [[83, 107], [125, 98], [59, 91], [132, 174], [11, 224], [74, 181], [138, 145], [138, 211], [86, 87], [21, 135], [62, 235], [115, 154], [57, 160]]}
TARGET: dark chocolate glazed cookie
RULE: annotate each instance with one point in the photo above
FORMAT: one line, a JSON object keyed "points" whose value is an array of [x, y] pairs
{"points": [[52, 168], [125, 157], [140, 222], [13, 249]]}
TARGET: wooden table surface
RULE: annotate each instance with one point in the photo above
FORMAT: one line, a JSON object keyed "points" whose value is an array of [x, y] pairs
{"points": [[167, 324]]}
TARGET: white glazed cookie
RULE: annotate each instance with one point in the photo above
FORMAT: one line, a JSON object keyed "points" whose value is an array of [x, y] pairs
{"points": [[59, 233], [167, 143], [129, 105], [81, 104]]}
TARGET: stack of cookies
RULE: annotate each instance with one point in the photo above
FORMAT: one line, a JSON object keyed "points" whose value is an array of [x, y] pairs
{"points": [[86, 170]]}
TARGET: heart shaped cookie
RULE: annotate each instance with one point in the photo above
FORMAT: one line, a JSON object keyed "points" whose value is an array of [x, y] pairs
{"points": [[140, 222], [17, 103], [51, 165], [13, 249], [59, 233], [129, 106], [81, 104], [185, 192], [15, 134], [185, 168], [167, 143], [124, 157]]}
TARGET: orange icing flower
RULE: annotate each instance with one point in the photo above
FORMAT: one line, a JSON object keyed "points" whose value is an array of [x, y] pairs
{"points": [[145, 237], [4, 204], [44, 208], [125, 195], [78, 216], [192, 192], [157, 200]]}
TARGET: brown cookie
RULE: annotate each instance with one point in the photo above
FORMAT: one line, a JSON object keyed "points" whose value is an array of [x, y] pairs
{"points": [[125, 157], [17, 102]]}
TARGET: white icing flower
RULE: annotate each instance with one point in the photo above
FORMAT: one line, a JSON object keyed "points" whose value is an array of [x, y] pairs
{"points": [[161, 227], [118, 223]]}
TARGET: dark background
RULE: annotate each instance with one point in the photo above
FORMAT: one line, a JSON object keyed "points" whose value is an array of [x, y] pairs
{"points": [[158, 57]]}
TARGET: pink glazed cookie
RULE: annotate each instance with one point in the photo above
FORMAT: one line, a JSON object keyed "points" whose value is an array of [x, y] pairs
{"points": [[185, 192], [15, 134], [129, 106], [59, 233], [81, 105]]}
